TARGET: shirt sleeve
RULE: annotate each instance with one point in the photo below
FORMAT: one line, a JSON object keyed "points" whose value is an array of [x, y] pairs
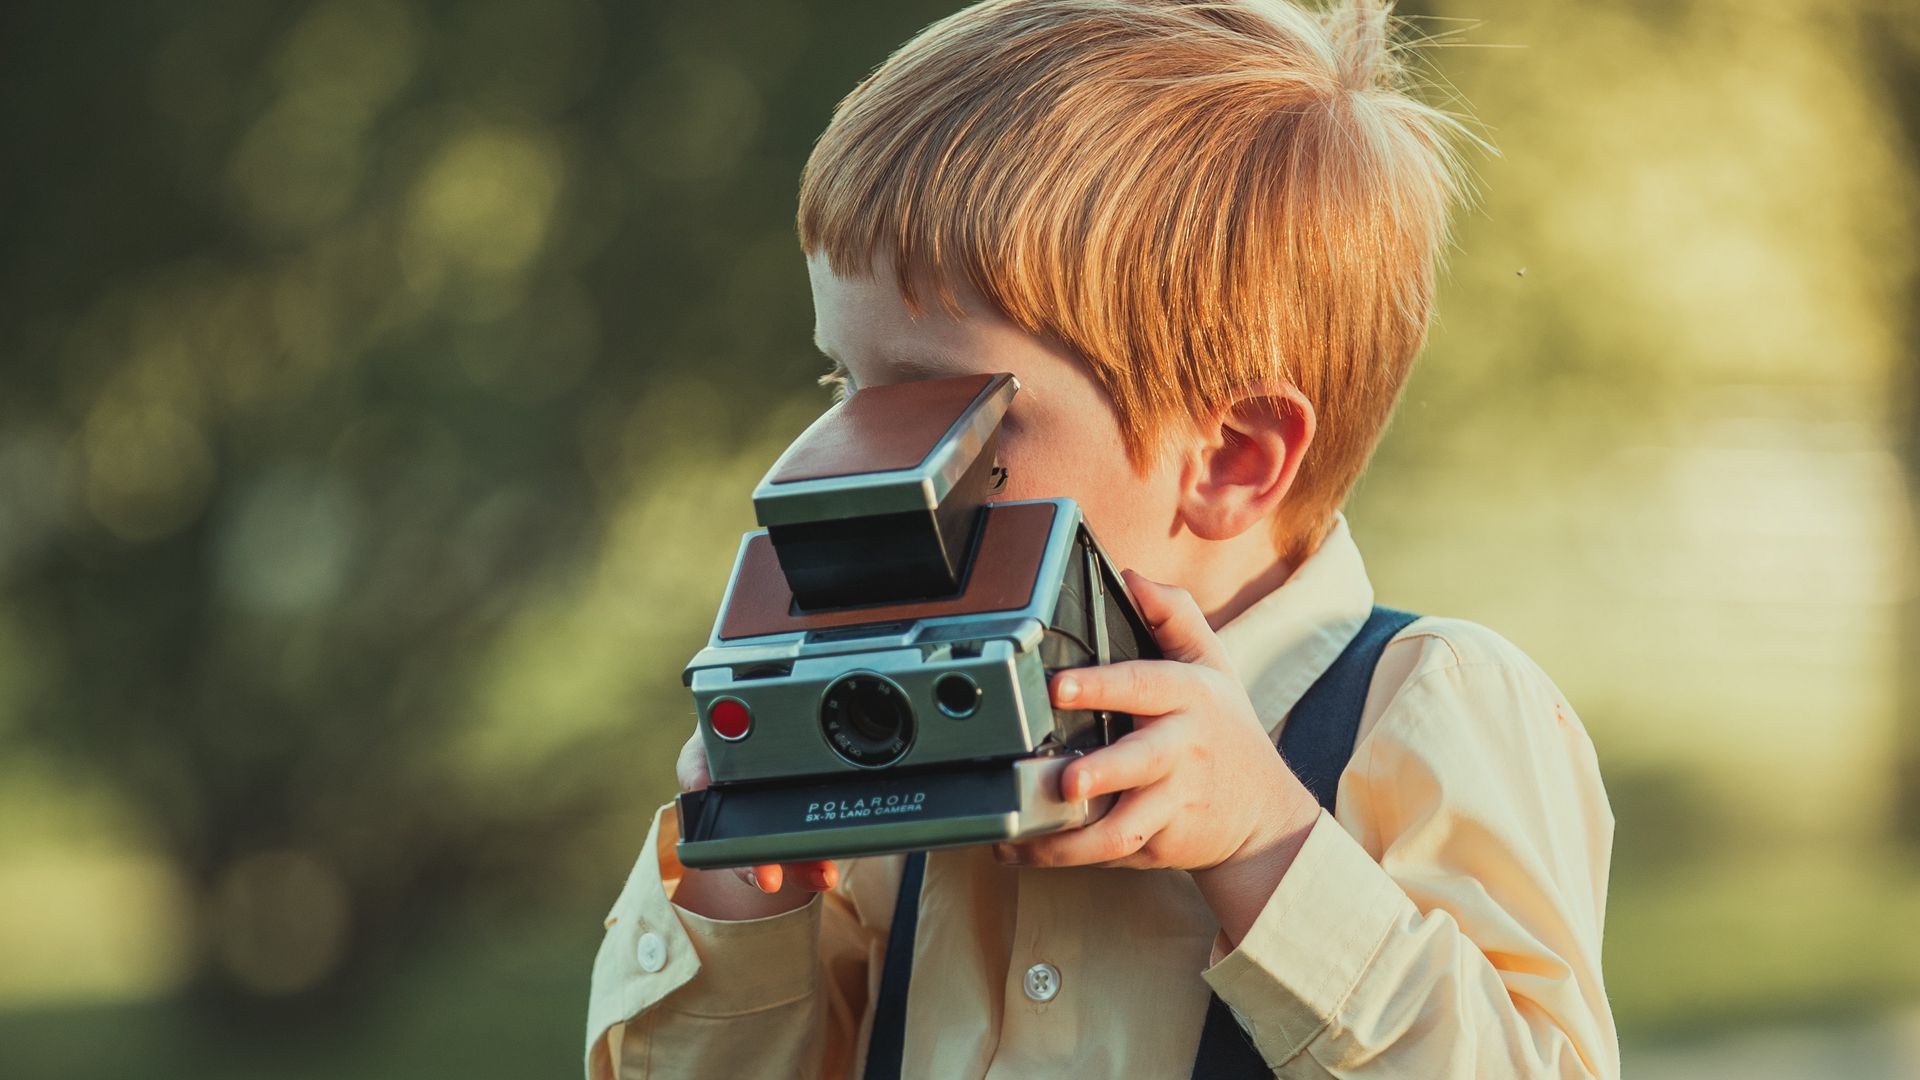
{"points": [[678, 994], [1448, 922]]}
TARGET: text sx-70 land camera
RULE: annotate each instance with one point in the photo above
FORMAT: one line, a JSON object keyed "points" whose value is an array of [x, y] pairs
{"points": [[877, 679]]}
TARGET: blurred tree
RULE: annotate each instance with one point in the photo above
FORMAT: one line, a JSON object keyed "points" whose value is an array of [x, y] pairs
{"points": [[339, 340], [1892, 37]]}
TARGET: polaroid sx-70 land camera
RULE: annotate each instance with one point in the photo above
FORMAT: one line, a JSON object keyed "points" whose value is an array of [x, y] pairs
{"points": [[877, 679]]}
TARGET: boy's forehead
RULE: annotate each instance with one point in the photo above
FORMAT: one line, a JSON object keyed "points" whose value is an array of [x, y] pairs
{"points": [[873, 294], [864, 320]]}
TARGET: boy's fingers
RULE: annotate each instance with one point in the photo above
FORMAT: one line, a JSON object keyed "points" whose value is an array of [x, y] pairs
{"points": [[1133, 821], [1139, 687], [691, 768], [1135, 761], [816, 876], [1179, 626], [810, 876]]}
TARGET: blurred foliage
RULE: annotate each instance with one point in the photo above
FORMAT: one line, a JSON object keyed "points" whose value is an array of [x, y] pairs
{"points": [[381, 382], [345, 344]]}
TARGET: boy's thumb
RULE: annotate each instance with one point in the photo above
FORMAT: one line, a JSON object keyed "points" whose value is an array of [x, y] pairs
{"points": [[691, 769], [1179, 626]]}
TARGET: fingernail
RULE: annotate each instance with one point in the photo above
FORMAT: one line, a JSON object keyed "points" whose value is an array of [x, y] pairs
{"points": [[1069, 688], [1078, 785]]}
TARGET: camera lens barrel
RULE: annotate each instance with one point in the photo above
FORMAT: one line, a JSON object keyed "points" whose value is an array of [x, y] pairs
{"points": [[867, 719]]}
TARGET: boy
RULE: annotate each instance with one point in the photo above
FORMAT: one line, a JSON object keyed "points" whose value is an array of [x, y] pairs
{"points": [[1203, 237]]}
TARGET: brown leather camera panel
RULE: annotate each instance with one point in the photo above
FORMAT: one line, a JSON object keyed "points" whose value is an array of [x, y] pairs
{"points": [[881, 428], [1012, 540]]}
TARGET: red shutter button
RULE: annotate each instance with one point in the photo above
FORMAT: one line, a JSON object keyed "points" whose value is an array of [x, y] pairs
{"points": [[731, 719]]}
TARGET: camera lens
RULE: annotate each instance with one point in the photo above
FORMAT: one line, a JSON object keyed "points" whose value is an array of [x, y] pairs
{"points": [[866, 719]]}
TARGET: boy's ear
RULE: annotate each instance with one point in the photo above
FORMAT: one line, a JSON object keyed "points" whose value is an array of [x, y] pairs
{"points": [[1242, 461]]}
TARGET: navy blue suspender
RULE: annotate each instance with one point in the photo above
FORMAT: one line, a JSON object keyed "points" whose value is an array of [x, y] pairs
{"points": [[889, 1042]]}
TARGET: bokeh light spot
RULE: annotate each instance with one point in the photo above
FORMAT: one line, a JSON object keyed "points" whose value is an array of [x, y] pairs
{"points": [[279, 920], [485, 203], [148, 469], [286, 547]]}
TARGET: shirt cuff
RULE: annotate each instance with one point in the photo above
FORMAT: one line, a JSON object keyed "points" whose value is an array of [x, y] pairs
{"points": [[654, 948], [1310, 944]]}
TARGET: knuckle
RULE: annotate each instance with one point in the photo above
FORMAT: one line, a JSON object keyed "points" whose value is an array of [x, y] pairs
{"points": [[1095, 683], [1159, 758], [1215, 684], [1222, 689]]}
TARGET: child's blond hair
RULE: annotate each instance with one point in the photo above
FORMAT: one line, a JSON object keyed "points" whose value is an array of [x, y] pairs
{"points": [[1197, 198]]}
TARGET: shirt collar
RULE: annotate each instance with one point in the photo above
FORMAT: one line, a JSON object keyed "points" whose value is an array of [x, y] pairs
{"points": [[1289, 638]]}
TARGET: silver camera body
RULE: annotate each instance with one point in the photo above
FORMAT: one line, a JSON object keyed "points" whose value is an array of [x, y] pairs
{"points": [[877, 678]]}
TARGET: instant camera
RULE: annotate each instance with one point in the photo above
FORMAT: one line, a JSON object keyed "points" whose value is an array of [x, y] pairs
{"points": [[877, 678]]}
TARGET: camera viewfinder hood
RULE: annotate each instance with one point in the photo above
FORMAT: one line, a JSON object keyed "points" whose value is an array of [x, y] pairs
{"points": [[879, 500]]}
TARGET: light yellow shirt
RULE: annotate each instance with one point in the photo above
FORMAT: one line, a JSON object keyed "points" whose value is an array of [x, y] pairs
{"points": [[1445, 921]]}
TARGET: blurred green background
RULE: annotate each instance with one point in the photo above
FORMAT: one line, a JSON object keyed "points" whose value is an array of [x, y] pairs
{"points": [[381, 383]]}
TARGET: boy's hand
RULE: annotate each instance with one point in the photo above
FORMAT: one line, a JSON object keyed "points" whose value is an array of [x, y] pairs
{"points": [[745, 893], [1203, 787]]}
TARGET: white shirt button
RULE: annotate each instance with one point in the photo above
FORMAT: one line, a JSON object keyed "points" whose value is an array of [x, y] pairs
{"points": [[1043, 982], [651, 951]]}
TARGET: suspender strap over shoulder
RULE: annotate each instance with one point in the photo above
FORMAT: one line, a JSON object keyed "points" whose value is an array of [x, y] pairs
{"points": [[1321, 730], [1317, 742]]}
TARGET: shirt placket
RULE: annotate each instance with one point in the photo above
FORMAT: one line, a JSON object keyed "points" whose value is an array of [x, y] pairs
{"points": [[1045, 1006]]}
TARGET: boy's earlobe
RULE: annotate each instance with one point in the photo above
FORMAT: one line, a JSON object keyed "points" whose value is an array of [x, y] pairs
{"points": [[1244, 462]]}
